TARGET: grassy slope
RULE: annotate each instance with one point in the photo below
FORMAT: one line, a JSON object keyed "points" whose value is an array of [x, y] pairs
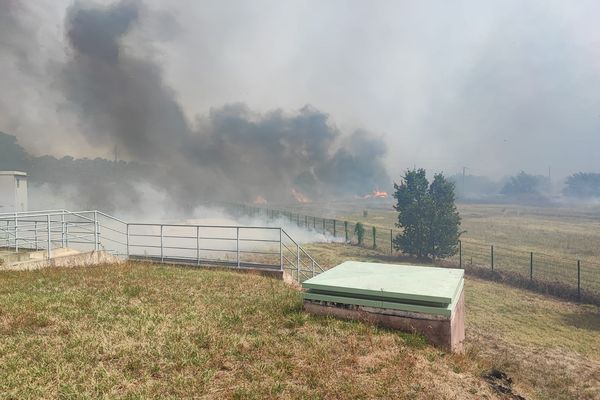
{"points": [[565, 232], [551, 348], [139, 331], [557, 236]]}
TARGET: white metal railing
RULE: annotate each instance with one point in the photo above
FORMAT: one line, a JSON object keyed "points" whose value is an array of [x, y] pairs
{"points": [[225, 245]]}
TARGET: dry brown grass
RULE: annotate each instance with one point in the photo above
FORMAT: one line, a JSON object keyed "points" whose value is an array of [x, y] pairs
{"points": [[551, 348], [147, 331]]}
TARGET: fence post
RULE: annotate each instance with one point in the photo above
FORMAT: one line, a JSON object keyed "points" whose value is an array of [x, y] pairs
{"points": [[96, 231], [374, 238], [16, 233], [334, 228], [62, 230], [492, 255], [298, 261], [237, 248], [346, 230], [35, 234], [162, 254], [324, 231], [280, 251], [127, 238], [531, 266], [66, 234], [578, 279], [49, 237], [197, 245], [391, 241], [315, 223], [460, 253]]}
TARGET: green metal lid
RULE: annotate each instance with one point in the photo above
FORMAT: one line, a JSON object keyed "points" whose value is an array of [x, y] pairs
{"points": [[392, 281]]}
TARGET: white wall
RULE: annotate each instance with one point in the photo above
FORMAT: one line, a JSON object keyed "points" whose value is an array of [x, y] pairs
{"points": [[7, 193], [13, 197], [21, 193]]}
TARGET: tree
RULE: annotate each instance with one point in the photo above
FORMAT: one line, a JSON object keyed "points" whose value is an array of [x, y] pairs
{"points": [[583, 185], [525, 184], [427, 215]]}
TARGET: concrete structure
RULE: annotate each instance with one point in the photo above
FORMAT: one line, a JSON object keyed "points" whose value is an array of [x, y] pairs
{"points": [[425, 300], [13, 191]]}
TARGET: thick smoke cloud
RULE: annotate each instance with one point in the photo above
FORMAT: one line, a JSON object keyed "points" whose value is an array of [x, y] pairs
{"points": [[496, 87], [122, 98]]}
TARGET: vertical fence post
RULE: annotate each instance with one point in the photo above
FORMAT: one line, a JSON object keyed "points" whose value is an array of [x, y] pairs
{"points": [[334, 228], [35, 234], [62, 230], [96, 231], [16, 233], [346, 230], [280, 251], [49, 237], [66, 234], [298, 261], [460, 253], [374, 238], [492, 256], [315, 223], [391, 241], [127, 238], [237, 246], [162, 253], [324, 231], [197, 245], [578, 279], [531, 266]]}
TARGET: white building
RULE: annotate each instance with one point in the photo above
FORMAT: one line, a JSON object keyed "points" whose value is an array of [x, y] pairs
{"points": [[13, 191]]}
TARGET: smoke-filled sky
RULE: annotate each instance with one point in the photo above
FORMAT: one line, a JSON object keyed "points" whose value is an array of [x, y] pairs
{"points": [[257, 90]]}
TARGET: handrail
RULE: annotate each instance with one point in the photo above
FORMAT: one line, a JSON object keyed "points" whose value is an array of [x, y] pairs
{"points": [[49, 229]]}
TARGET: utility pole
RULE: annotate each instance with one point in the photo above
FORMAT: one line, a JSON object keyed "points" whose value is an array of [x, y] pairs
{"points": [[464, 173]]}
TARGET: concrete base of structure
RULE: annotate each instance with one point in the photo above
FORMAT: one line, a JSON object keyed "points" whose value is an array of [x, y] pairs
{"points": [[443, 331], [69, 260]]}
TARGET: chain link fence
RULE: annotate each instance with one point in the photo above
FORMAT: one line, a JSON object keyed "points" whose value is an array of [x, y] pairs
{"points": [[559, 276]]}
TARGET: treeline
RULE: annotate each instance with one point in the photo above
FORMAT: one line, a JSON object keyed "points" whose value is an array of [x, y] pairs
{"points": [[71, 182], [527, 187]]}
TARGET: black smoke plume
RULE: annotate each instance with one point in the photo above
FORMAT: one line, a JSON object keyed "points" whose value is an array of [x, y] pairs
{"points": [[233, 153]]}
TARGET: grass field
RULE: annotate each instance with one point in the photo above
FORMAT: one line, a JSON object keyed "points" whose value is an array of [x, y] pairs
{"points": [[146, 331], [558, 237]]}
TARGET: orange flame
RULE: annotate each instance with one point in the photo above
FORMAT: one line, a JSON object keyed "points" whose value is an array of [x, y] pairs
{"points": [[376, 194], [299, 196], [260, 200]]}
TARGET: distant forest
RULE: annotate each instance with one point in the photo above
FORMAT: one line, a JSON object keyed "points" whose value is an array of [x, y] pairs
{"points": [[82, 183], [108, 185]]}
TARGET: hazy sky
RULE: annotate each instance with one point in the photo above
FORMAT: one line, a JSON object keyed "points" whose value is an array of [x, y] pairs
{"points": [[497, 86]]}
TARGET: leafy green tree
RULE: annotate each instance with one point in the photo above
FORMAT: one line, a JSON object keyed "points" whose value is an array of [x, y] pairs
{"points": [[583, 185], [359, 230], [427, 215], [524, 184]]}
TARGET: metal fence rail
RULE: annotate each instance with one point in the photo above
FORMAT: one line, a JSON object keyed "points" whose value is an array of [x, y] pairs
{"points": [[562, 276], [259, 247]]}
